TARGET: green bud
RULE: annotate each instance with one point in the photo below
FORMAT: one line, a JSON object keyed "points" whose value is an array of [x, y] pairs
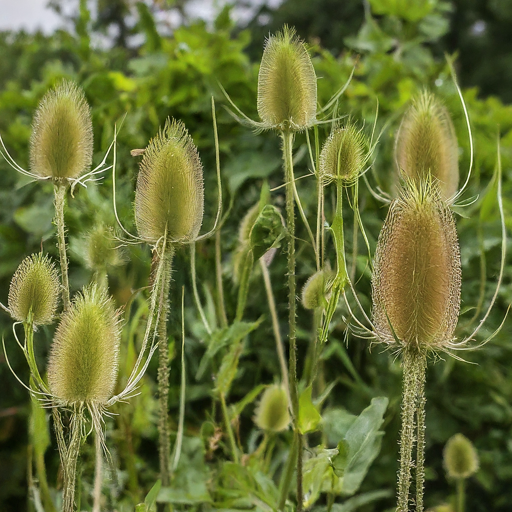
{"points": [[460, 457], [272, 411], [101, 249], [61, 142], [34, 288], [314, 293]]}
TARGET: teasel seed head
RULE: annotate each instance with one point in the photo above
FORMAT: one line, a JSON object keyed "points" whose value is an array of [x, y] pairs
{"points": [[460, 457], [61, 144], [169, 195], [344, 155], [34, 289], [272, 412], [287, 92], [83, 362], [426, 142], [314, 293], [101, 249], [417, 272]]}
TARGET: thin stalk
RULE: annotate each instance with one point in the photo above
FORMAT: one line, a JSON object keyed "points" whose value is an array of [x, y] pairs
{"points": [[194, 288], [420, 444], [229, 429], [218, 274], [68, 496], [243, 289], [31, 359], [354, 249], [317, 347], [287, 476], [319, 223], [460, 495], [60, 202], [98, 474]]}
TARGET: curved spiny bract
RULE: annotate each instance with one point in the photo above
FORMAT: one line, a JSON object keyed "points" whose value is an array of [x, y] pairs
{"points": [[61, 144], [287, 92], [417, 273], [83, 362], [426, 142], [169, 197], [34, 289]]}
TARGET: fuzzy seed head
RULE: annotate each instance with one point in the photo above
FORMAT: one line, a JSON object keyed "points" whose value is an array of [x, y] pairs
{"points": [[272, 411], [314, 293], [61, 144], [343, 155], [460, 457], [417, 272], [101, 249], [34, 288], [169, 195], [286, 83], [426, 143], [84, 356]]}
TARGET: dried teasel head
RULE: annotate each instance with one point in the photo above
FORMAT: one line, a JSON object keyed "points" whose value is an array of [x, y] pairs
{"points": [[417, 272], [83, 362], [344, 155], [287, 92], [315, 291], [169, 198], [460, 457], [272, 411], [34, 290], [426, 143], [61, 144]]}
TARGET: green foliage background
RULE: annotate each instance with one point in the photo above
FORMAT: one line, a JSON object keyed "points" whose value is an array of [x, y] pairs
{"points": [[396, 51]]}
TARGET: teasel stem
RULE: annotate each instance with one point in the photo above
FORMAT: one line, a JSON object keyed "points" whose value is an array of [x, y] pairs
{"points": [[31, 359], [460, 494], [98, 474], [289, 469], [420, 444], [60, 202], [320, 225], [229, 428], [218, 274]]}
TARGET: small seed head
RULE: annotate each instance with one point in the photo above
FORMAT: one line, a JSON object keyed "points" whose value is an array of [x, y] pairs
{"points": [[343, 155], [169, 195], [84, 356], [426, 143], [286, 83], [314, 293], [34, 288], [272, 411], [417, 273], [61, 144], [101, 249], [460, 457]]}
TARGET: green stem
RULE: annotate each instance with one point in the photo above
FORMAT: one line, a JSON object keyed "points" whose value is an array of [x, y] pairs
{"points": [[98, 474], [287, 476], [420, 444], [31, 359], [243, 289], [68, 496], [229, 429], [60, 202], [218, 274], [460, 494]]}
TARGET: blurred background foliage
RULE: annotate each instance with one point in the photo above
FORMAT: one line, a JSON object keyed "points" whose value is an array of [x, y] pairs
{"points": [[137, 69]]}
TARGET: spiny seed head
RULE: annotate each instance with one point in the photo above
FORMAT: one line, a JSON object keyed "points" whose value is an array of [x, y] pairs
{"points": [[417, 273], [61, 142], [169, 194], [314, 293], [426, 142], [34, 287], [272, 411], [460, 457], [286, 83], [343, 155], [84, 356], [101, 249]]}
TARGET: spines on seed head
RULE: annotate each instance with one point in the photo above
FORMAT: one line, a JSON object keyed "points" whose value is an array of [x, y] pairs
{"points": [[169, 197], [61, 145], [314, 293], [272, 412], [287, 91]]}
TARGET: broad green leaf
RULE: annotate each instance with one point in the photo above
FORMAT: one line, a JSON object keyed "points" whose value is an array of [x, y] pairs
{"points": [[150, 498], [228, 369], [309, 417], [318, 475], [358, 501]]}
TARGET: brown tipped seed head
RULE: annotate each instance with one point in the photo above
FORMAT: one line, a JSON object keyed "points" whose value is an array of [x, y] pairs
{"points": [[426, 142], [343, 155], [34, 287], [101, 249], [417, 272], [460, 457], [272, 411], [169, 195], [314, 293], [286, 83], [61, 142], [84, 356]]}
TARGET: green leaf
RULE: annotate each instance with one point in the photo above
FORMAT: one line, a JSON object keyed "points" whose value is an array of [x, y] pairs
{"points": [[228, 370], [358, 501], [246, 400], [309, 417], [318, 475], [150, 498], [267, 231]]}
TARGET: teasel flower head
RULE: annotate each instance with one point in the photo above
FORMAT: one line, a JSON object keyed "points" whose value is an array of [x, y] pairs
{"points": [[83, 363], [460, 457], [272, 411], [34, 290], [416, 281], [426, 143], [62, 143], [344, 155], [287, 91], [316, 290], [101, 249], [169, 197]]}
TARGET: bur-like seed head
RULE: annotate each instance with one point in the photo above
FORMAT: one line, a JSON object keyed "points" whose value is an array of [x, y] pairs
{"points": [[314, 293], [426, 142], [460, 457], [101, 249], [343, 155], [417, 272], [286, 83], [84, 356], [272, 411], [34, 288], [61, 144], [169, 195]]}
